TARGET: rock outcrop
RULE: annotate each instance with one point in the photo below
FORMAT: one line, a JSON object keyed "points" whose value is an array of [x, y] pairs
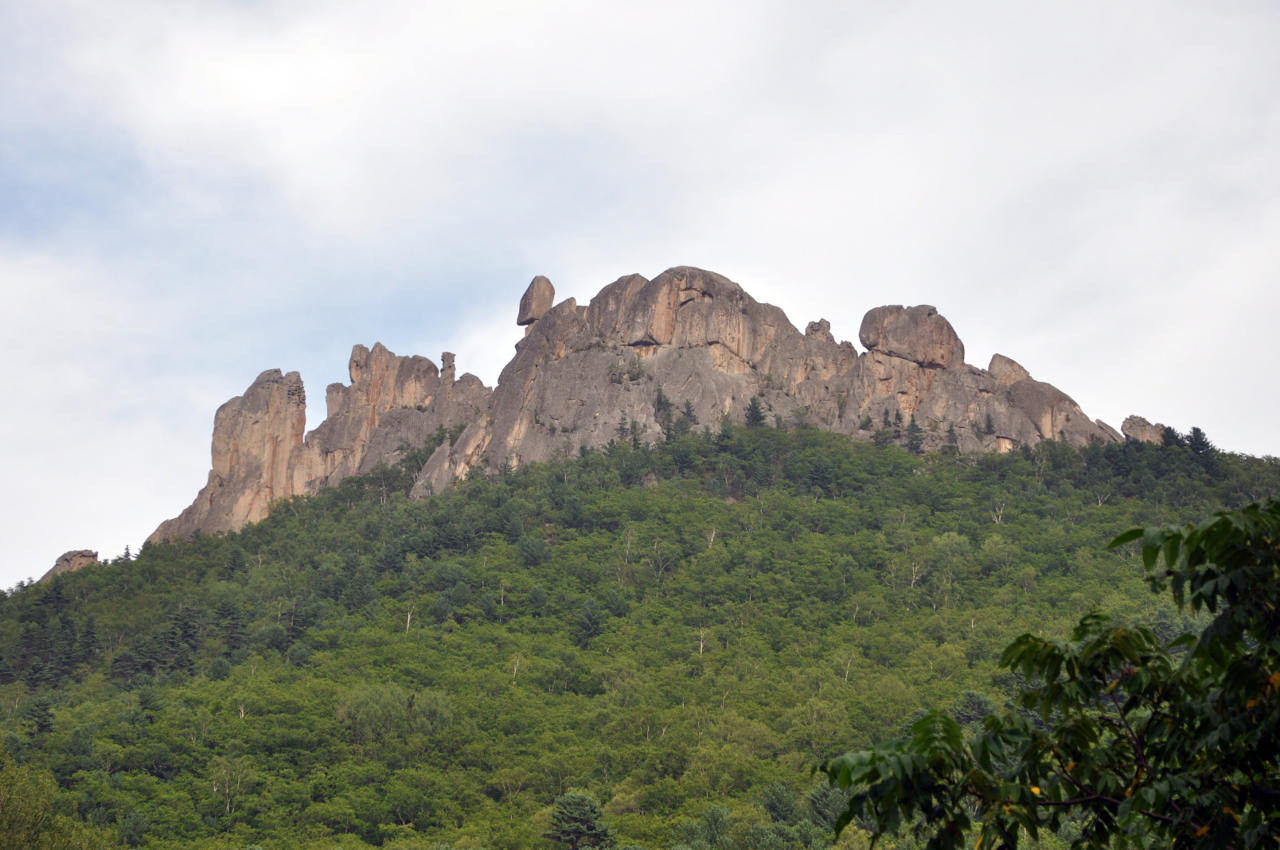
{"points": [[537, 300], [70, 562], [917, 334], [583, 374], [260, 453], [1137, 428], [253, 440]]}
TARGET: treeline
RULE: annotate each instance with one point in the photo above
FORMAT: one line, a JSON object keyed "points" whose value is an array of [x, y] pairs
{"points": [[680, 630]]}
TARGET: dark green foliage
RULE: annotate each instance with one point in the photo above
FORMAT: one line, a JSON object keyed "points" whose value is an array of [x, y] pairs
{"points": [[588, 623], [663, 412], [1199, 443], [675, 627], [779, 803], [133, 829], [576, 822], [1126, 739], [1205, 452], [915, 437], [29, 818], [755, 413], [533, 550]]}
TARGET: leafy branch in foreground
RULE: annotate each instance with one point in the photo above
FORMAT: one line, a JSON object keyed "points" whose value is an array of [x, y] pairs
{"points": [[1128, 741]]}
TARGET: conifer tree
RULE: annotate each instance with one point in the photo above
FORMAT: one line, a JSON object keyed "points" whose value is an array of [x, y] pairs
{"points": [[915, 437], [576, 822]]}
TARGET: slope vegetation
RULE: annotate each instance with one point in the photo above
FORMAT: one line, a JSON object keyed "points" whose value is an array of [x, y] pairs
{"points": [[680, 629]]}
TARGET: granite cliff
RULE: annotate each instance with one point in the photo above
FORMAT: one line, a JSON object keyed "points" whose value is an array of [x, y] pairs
{"points": [[582, 373], [260, 453]]}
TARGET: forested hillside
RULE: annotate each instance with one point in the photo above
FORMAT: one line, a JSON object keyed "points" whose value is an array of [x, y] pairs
{"points": [[680, 630]]}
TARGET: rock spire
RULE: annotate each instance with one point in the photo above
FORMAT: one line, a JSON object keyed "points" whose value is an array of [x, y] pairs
{"points": [[582, 371]]}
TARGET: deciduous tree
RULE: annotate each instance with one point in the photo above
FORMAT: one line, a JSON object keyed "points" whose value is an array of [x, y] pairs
{"points": [[1139, 743]]}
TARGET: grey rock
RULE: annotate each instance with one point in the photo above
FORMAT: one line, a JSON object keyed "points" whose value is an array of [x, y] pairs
{"points": [[537, 300]]}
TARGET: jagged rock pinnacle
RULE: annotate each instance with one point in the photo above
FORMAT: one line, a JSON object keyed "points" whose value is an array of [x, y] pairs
{"points": [[580, 371]]}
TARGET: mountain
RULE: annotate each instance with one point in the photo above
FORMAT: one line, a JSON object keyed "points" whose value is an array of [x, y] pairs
{"points": [[689, 345], [681, 628]]}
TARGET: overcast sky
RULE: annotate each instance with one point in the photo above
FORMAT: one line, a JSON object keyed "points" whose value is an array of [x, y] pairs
{"points": [[193, 192]]}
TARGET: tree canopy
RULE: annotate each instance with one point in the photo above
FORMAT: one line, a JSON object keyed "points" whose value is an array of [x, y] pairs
{"points": [[1123, 738], [679, 629]]}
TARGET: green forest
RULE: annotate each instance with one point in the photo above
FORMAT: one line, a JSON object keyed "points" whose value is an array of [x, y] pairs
{"points": [[657, 643]]}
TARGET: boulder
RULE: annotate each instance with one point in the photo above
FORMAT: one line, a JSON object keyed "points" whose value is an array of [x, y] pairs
{"points": [[537, 300], [917, 334]]}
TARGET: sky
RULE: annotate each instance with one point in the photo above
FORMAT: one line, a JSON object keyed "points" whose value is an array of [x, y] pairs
{"points": [[194, 191]]}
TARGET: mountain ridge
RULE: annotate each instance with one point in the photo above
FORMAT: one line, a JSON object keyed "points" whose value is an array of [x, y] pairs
{"points": [[688, 343]]}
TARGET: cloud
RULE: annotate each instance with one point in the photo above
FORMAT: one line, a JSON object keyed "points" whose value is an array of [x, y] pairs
{"points": [[192, 192]]}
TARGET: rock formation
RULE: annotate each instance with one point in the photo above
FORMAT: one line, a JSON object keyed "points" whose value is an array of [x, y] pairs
{"points": [[582, 374], [537, 300], [260, 453], [1137, 428], [253, 440], [70, 562]]}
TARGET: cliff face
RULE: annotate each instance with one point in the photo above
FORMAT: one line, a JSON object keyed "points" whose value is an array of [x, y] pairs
{"points": [[253, 440], [260, 453], [583, 373]]}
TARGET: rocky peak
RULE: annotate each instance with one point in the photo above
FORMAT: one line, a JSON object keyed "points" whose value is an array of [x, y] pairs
{"points": [[584, 374], [254, 436], [260, 455]]}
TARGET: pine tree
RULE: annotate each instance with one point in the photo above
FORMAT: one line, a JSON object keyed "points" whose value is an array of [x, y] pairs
{"points": [[662, 410], [576, 822], [1198, 442], [1206, 453], [755, 413], [915, 437]]}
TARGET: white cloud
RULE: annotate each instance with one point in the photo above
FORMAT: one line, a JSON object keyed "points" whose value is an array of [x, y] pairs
{"points": [[205, 190]]}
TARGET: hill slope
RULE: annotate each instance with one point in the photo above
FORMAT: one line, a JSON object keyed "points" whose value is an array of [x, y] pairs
{"points": [[682, 629]]}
